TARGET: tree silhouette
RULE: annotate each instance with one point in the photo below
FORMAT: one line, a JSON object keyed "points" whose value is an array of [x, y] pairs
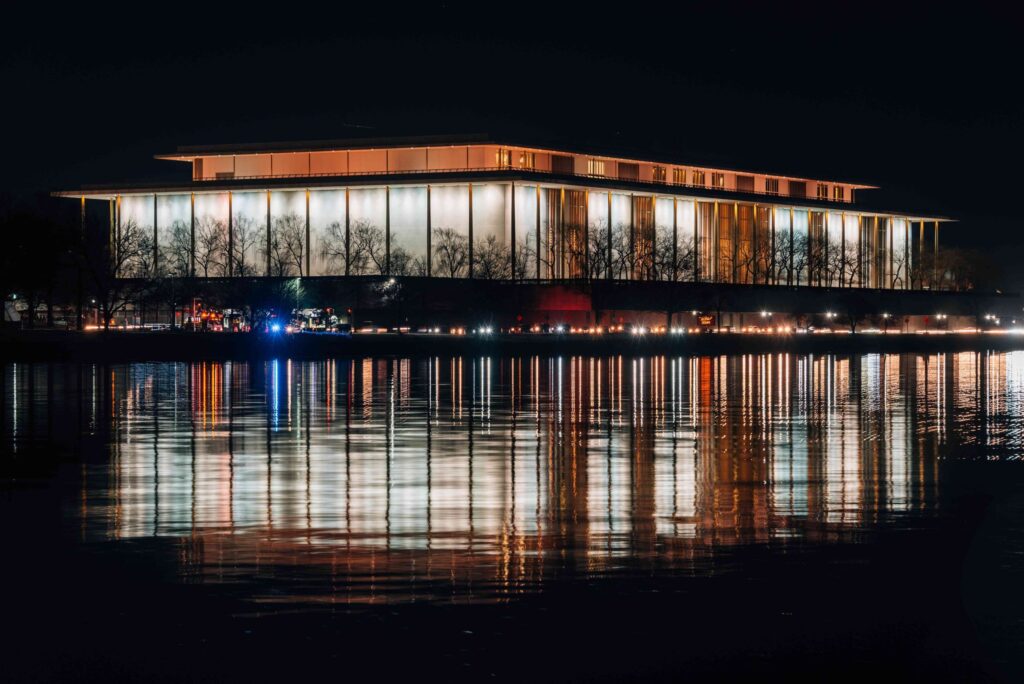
{"points": [[112, 267], [450, 252], [368, 245], [211, 247], [245, 237], [334, 248], [177, 255], [491, 260], [287, 246]]}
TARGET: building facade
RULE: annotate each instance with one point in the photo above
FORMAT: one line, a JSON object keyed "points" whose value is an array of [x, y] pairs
{"points": [[478, 209]]}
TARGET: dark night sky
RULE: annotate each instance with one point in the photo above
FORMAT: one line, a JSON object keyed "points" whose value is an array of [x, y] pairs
{"points": [[925, 102]]}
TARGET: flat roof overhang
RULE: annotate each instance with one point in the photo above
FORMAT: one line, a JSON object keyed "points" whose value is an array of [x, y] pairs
{"points": [[497, 175], [190, 153]]}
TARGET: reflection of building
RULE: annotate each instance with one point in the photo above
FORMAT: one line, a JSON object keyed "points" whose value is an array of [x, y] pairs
{"points": [[466, 477], [475, 208]]}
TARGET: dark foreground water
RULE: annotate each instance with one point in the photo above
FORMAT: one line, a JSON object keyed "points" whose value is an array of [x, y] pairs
{"points": [[572, 518]]}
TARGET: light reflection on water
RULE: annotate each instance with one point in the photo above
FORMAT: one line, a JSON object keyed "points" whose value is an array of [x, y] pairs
{"points": [[476, 479]]}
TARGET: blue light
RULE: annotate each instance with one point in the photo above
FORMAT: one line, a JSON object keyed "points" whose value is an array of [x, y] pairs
{"points": [[275, 327]]}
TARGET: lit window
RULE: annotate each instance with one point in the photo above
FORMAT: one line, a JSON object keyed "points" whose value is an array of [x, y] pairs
{"points": [[698, 178], [595, 167], [822, 191], [718, 180], [838, 193], [527, 160], [771, 186], [504, 157], [659, 174], [679, 176]]}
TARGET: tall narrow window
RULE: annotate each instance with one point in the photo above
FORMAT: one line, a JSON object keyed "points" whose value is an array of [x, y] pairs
{"points": [[698, 178], [658, 173], [595, 167], [718, 180], [504, 158], [838, 193], [679, 176], [822, 191], [771, 186]]}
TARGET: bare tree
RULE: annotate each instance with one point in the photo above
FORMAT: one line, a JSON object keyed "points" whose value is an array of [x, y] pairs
{"points": [[663, 265], [643, 246], [491, 259], [451, 252], [177, 255], [145, 264], [623, 254], [597, 249], [846, 263], [112, 267], [211, 247], [368, 248], [746, 262], [526, 257], [764, 264], [244, 241], [900, 266], [800, 260], [287, 246], [962, 270], [782, 262], [685, 259], [334, 248], [817, 266], [405, 264], [834, 261]]}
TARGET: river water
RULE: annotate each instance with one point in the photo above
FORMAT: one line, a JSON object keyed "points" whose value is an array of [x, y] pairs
{"points": [[726, 517]]}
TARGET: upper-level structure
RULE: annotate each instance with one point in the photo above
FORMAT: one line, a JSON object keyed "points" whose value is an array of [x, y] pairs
{"points": [[385, 157], [476, 208]]}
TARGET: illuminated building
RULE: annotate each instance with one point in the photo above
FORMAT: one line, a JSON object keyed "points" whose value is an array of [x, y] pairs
{"points": [[478, 209]]}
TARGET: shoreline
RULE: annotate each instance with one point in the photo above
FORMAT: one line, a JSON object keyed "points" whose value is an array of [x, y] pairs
{"points": [[51, 345]]}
